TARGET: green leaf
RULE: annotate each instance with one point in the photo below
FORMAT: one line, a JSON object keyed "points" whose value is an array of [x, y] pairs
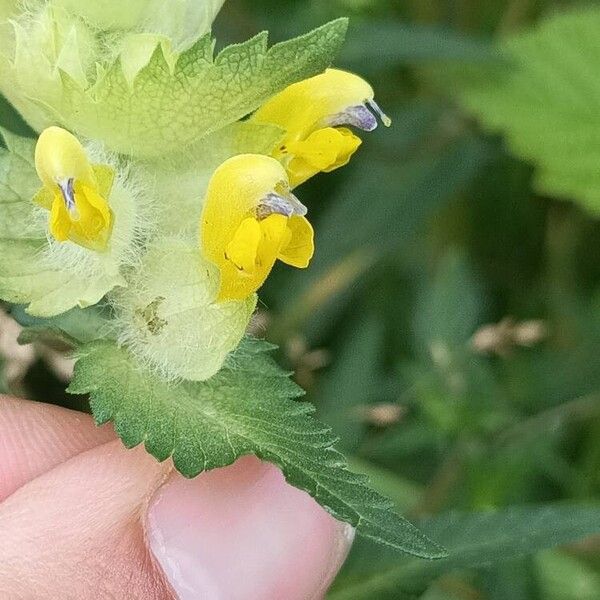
{"points": [[449, 310], [10, 119], [351, 383], [510, 580], [402, 491], [545, 101], [473, 541], [247, 408], [152, 100], [77, 326], [52, 277], [384, 44], [564, 577]]}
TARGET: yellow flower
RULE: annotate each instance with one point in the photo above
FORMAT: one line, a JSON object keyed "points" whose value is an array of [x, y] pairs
{"points": [[249, 220], [313, 114], [74, 191]]}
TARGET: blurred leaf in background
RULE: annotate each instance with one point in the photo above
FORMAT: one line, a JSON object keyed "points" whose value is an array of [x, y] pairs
{"points": [[545, 98]]}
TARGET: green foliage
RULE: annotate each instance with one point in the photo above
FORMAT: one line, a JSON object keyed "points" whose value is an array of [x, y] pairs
{"points": [[473, 541], [352, 380], [74, 327], [247, 408], [389, 43], [544, 100], [152, 101], [566, 577]]}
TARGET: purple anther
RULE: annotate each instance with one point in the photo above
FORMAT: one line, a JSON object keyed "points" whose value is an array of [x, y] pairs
{"points": [[68, 194], [356, 116], [276, 204]]}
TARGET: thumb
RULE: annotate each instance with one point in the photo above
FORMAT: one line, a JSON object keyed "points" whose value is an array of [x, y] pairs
{"points": [[112, 523], [243, 532]]}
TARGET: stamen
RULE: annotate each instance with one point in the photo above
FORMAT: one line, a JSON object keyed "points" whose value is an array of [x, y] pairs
{"points": [[384, 118], [356, 116], [68, 194], [286, 204]]}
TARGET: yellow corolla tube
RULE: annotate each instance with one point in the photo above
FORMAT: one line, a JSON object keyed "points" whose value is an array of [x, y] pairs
{"points": [[74, 191], [315, 114], [251, 219]]}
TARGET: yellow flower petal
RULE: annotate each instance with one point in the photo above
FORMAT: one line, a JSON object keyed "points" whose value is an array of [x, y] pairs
{"points": [[233, 194], [93, 227], [324, 150], [60, 224], [250, 219], [313, 113], [236, 283], [300, 249], [301, 107], [243, 248], [275, 235], [60, 156], [75, 191]]}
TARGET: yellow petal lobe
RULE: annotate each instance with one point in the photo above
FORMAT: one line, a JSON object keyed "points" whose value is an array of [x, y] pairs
{"points": [[275, 235], [60, 224], [243, 248], [299, 251], [323, 150], [93, 228]]}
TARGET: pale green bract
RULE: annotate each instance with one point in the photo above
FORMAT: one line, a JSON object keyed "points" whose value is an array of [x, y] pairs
{"points": [[7, 8], [247, 408], [167, 315], [179, 20], [183, 177], [545, 100], [149, 99], [51, 277], [152, 101]]}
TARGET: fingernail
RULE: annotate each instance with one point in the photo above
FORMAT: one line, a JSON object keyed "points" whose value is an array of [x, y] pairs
{"points": [[241, 533]]}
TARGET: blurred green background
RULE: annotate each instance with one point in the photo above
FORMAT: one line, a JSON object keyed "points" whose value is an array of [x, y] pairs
{"points": [[449, 327]]}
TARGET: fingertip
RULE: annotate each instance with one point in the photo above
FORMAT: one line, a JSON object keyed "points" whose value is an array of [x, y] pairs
{"points": [[36, 437], [78, 528], [242, 532]]}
